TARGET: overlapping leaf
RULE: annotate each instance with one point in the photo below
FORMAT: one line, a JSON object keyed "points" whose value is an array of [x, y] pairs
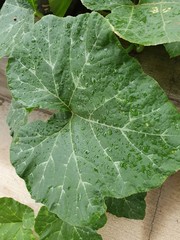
{"points": [[16, 220], [147, 23], [16, 18], [115, 134], [131, 207], [104, 4], [151, 22], [50, 227], [157, 1], [173, 49]]}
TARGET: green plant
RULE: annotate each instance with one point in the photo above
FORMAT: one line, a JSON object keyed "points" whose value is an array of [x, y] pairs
{"points": [[112, 134]]}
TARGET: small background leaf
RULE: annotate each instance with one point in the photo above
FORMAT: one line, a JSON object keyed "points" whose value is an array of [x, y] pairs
{"points": [[150, 23], [104, 4], [132, 207], [16, 220], [173, 49], [58, 7], [50, 227]]}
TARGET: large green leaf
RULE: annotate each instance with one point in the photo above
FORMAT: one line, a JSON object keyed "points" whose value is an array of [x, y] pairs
{"points": [[116, 134], [173, 49], [50, 227], [131, 207], [59, 8], [150, 23], [104, 4], [16, 18], [16, 220]]}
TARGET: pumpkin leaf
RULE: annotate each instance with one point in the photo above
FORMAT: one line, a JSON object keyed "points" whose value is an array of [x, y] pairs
{"points": [[16, 18], [156, 1], [131, 207], [16, 220], [173, 49], [114, 133], [151, 22], [50, 227]]}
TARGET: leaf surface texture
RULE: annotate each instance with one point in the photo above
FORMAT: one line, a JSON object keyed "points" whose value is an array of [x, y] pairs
{"points": [[114, 133], [16, 220], [16, 18], [151, 22]]}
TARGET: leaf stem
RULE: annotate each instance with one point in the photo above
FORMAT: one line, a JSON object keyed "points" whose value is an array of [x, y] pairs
{"points": [[130, 48]]}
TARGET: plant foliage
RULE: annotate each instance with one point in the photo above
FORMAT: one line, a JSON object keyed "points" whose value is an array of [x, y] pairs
{"points": [[173, 49], [16, 18], [151, 22], [112, 134], [59, 8], [130, 207], [18, 222], [115, 136]]}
